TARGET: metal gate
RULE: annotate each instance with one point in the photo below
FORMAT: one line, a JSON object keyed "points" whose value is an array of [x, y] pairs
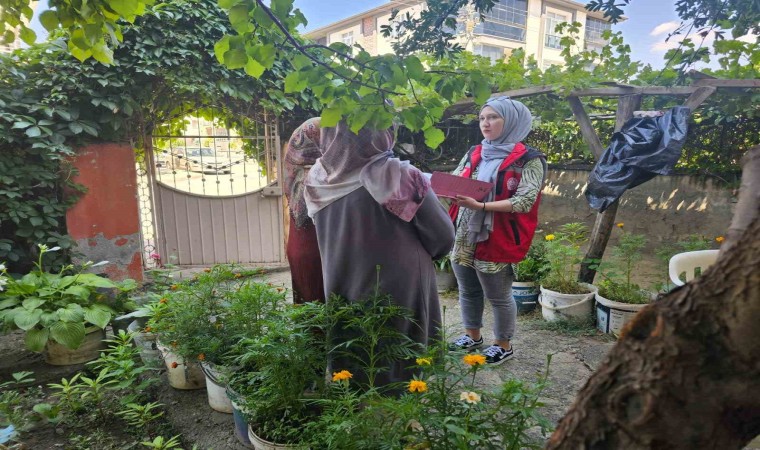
{"points": [[211, 194]]}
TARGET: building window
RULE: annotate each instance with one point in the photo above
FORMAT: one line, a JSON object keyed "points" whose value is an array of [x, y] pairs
{"points": [[322, 41], [594, 30], [552, 36], [496, 54], [506, 20], [347, 38]]}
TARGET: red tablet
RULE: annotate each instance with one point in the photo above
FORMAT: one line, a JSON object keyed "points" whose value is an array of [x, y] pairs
{"points": [[447, 185]]}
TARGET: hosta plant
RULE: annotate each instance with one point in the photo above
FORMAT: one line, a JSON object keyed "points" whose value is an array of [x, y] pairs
{"points": [[58, 306]]}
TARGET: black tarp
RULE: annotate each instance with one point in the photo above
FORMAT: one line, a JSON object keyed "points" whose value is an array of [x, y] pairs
{"points": [[643, 148]]}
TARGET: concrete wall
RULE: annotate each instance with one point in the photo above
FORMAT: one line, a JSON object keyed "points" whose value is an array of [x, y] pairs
{"points": [[666, 209], [105, 221]]}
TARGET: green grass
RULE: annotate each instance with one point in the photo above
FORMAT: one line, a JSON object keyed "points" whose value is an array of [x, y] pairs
{"points": [[567, 327]]}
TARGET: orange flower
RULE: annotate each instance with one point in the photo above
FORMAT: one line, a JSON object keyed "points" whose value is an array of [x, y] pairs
{"points": [[148, 329], [279, 289], [202, 357], [474, 360], [620, 224], [174, 344], [174, 365], [342, 375], [720, 239], [417, 386], [174, 287], [163, 300], [207, 270]]}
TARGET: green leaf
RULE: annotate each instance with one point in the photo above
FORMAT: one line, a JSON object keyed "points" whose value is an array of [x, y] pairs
{"points": [[239, 19], [71, 313], [49, 20], [227, 4], [26, 320], [28, 35], [33, 132], [92, 280], [8, 303], [78, 291], [97, 316], [32, 303], [35, 339], [235, 59], [102, 53], [434, 137], [264, 54], [330, 117], [68, 334], [125, 8], [414, 67], [294, 82], [254, 69], [221, 47]]}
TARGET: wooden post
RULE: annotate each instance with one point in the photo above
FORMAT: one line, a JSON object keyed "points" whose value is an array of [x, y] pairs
{"points": [[587, 130], [600, 234]]}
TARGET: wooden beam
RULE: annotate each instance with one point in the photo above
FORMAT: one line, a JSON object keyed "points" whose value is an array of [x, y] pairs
{"points": [[587, 130], [646, 90], [465, 104], [752, 83], [699, 96], [600, 234]]}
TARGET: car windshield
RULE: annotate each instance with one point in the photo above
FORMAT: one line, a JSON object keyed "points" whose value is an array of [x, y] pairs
{"points": [[200, 152]]}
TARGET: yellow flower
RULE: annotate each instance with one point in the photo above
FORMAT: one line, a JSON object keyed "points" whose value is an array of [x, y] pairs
{"points": [[720, 239], [620, 224], [342, 375], [474, 360], [470, 397], [424, 361], [417, 386], [549, 237]]}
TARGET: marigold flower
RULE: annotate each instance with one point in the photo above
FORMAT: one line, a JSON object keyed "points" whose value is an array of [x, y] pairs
{"points": [[202, 357], [474, 360], [342, 375], [424, 361], [148, 329], [417, 386], [720, 239], [279, 289], [238, 275], [174, 344], [549, 237], [620, 224], [207, 270], [174, 365], [163, 300], [174, 287], [470, 397]]}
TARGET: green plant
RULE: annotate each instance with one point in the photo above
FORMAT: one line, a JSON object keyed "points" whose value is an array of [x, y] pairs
{"points": [[19, 406], [57, 306], [616, 283], [563, 251], [69, 394], [141, 416], [122, 365], [443, 264], [534, 266], [161, 443]]}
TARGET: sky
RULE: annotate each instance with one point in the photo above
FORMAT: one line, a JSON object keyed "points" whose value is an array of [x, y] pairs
{"points": [[648, 24]]}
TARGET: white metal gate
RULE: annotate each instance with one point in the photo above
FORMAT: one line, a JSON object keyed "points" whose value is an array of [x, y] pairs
{"points": [[215, 196]]}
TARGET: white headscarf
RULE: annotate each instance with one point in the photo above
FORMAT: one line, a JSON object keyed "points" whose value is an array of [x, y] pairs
{"points": [[517, 123]]}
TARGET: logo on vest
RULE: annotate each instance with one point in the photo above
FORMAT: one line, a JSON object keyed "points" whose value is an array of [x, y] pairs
{"points": [[512, 184]]}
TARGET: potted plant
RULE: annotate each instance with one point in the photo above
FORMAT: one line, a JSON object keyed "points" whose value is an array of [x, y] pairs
{"points": [[444, 274], [63, 313], [562, 296], [619, 298], [527, 275]]}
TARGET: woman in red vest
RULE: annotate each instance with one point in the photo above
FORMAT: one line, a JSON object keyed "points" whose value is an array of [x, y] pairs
{"points": [[494, 233]]}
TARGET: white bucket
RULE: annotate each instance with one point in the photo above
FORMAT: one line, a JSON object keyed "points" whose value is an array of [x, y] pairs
{"points": [[146, 343], [261, 444], [217, 391], [611, 316], [556, 306], [181, 375]]}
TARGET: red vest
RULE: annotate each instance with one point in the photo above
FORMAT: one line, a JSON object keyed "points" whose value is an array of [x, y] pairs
{"points": [[512, 232]]}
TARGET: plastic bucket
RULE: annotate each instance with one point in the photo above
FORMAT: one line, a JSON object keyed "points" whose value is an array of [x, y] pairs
{"points": [[611, 316], [238, 415], [217, 391], [262, 444], [445, 281], [525, 294], [556, 306], [146, 344], [181, 375]]}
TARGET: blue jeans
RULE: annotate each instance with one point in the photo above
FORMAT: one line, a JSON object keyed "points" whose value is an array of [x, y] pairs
{"points": [[475, 287]]}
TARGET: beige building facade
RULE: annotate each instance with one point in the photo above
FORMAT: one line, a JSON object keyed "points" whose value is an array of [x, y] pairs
{"points": [[511, 24]]}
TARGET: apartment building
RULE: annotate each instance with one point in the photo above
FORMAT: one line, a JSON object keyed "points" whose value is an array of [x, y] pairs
{"points": [[17, 43], [511, 24]]}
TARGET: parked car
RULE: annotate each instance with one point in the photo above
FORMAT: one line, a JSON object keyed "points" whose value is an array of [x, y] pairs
{"points": [[199, 159]]}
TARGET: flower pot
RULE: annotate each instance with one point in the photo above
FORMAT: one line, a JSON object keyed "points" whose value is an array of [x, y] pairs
{"points": [[182, 375], [262, 444], [556, 305], [60, 355], [217, 390], [238, 415], [525, 294], [445, 280], [146, 343], [611, 316]]}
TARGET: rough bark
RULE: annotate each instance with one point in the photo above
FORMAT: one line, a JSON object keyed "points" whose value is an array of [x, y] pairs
{"points": [[685, 373]]}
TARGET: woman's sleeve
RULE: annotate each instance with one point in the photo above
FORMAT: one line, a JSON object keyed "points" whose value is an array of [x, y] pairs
{"points": [[434, 227], [530, 185]]}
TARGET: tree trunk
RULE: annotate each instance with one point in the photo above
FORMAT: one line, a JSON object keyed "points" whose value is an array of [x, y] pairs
{"points": [[685, 373]]}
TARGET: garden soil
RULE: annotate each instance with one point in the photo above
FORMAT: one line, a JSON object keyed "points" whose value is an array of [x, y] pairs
{"points": [[573, 360]]}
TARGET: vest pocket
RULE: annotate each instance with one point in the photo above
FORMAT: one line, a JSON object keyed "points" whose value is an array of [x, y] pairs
{"points": [[515, 231]]}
